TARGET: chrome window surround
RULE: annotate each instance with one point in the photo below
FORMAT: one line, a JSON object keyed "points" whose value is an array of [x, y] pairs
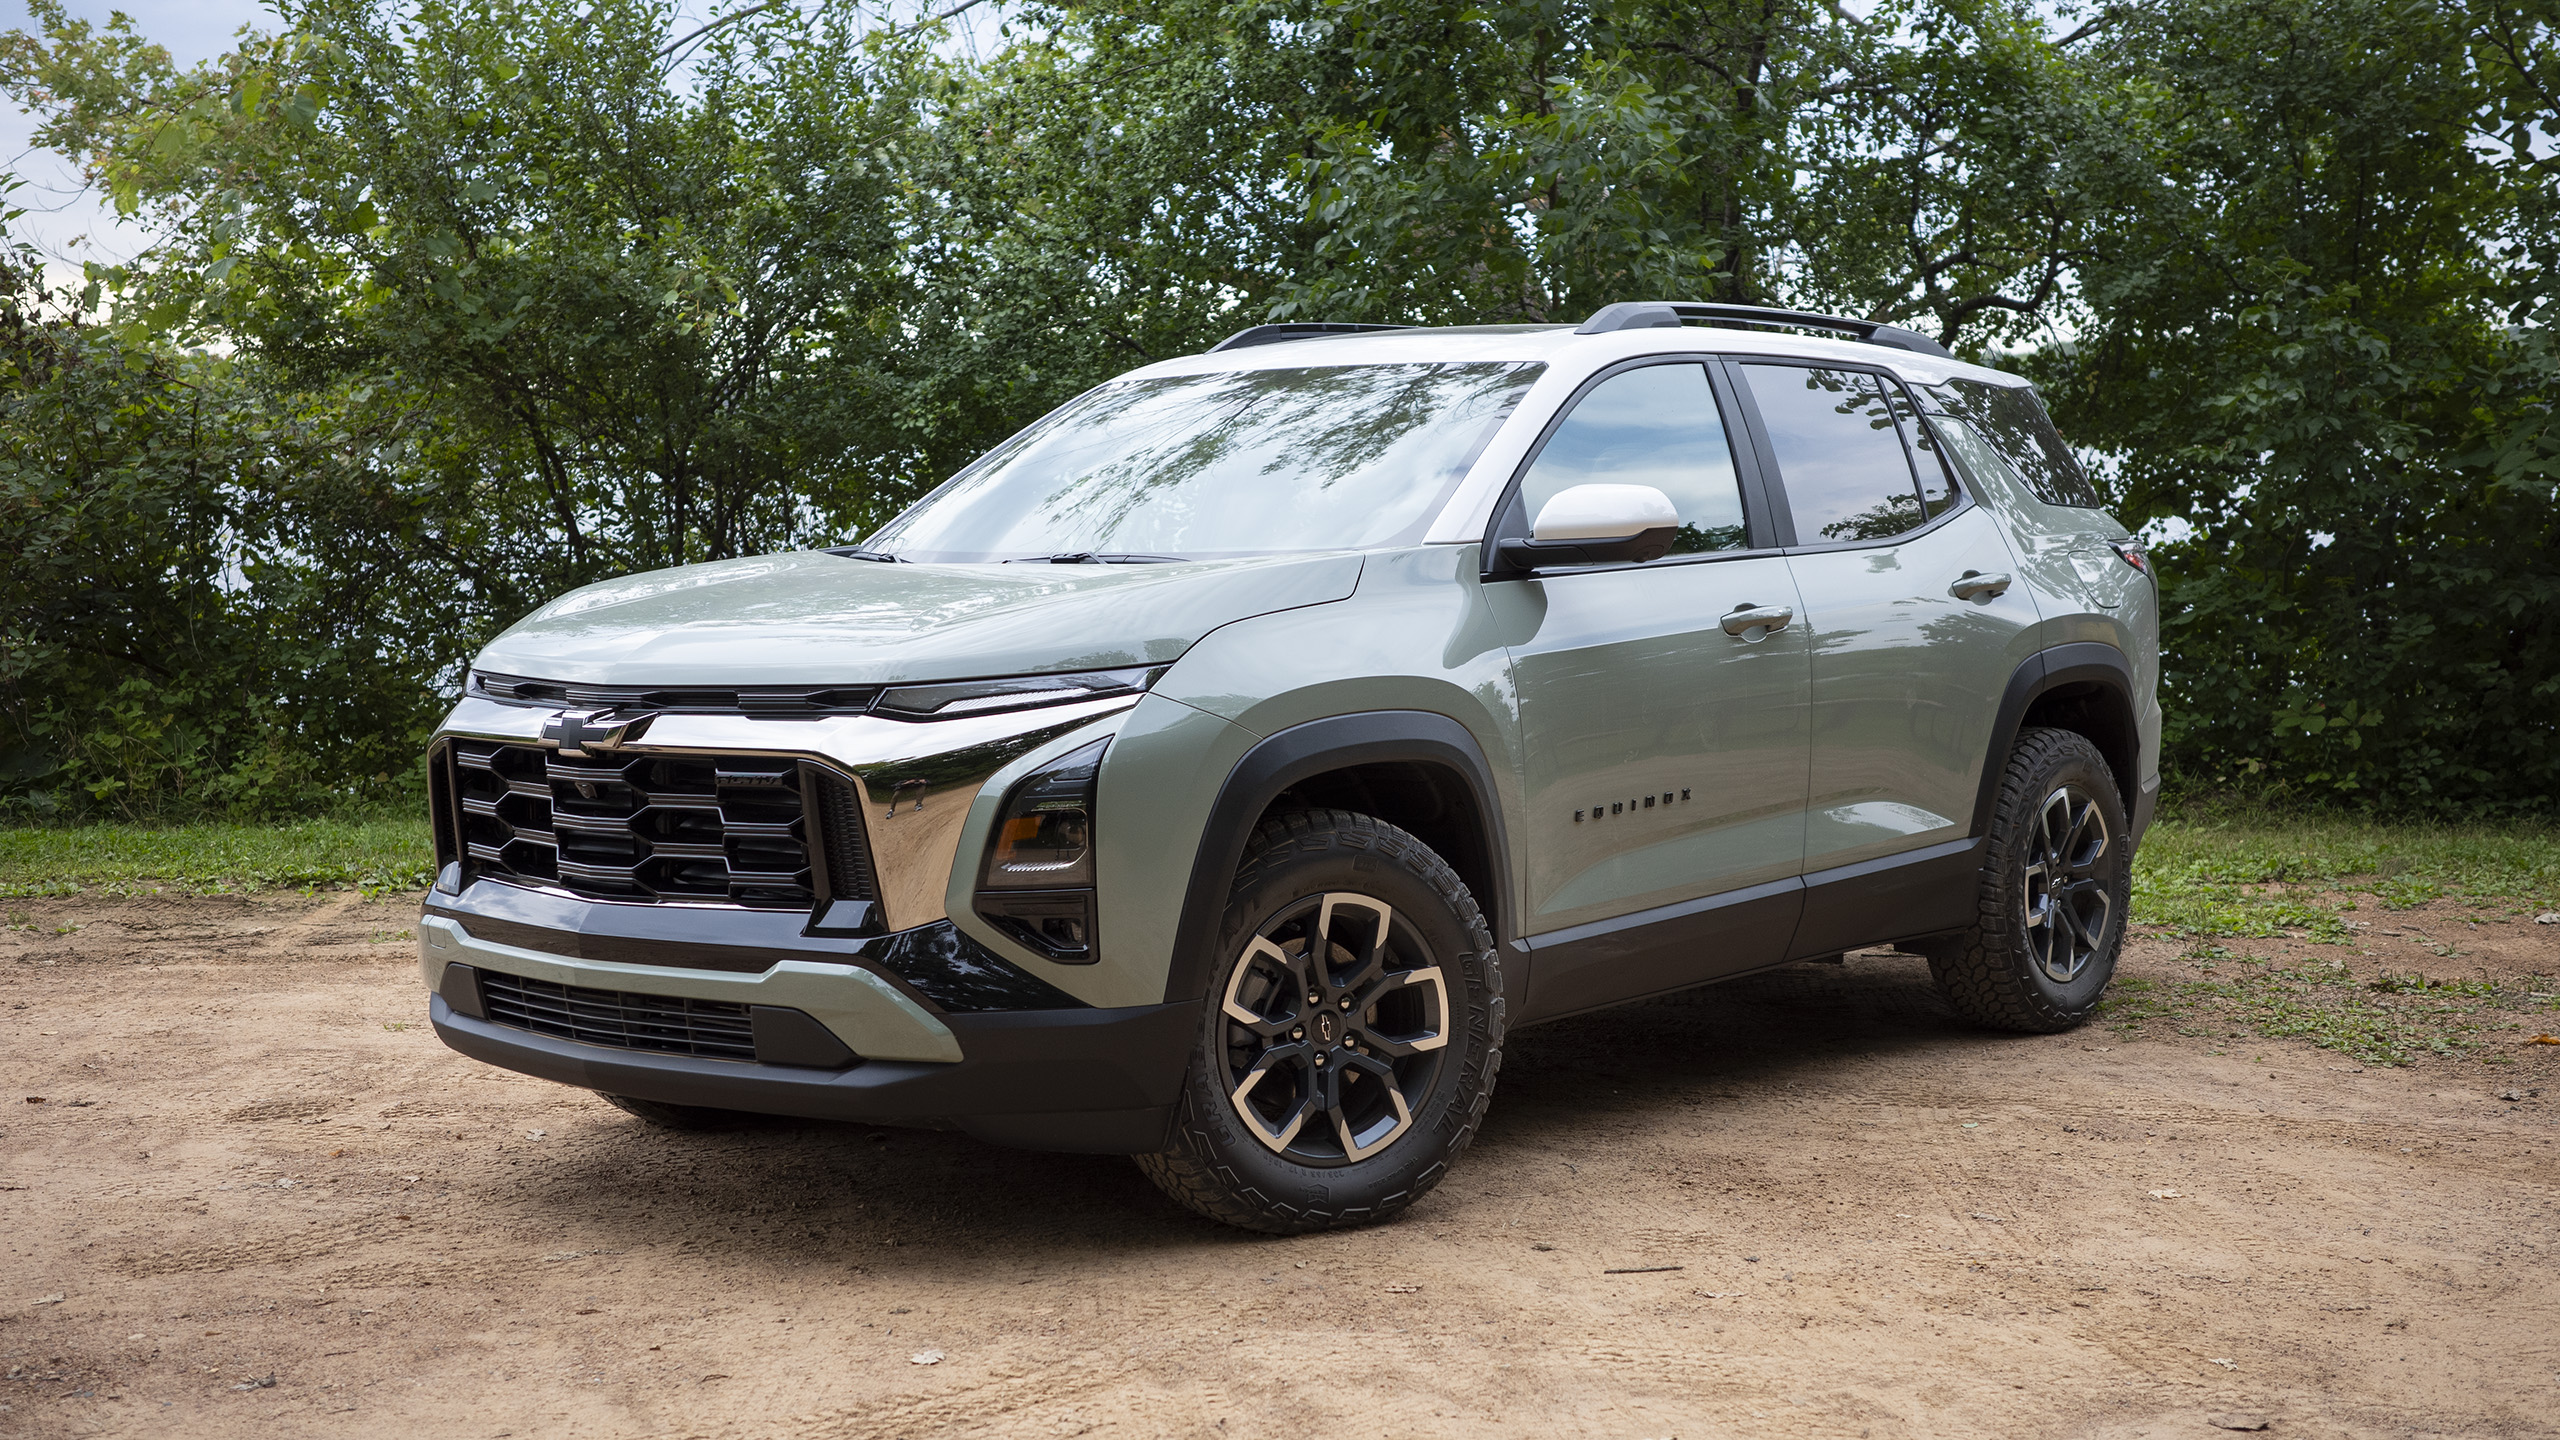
{"points": [[916, 781]]}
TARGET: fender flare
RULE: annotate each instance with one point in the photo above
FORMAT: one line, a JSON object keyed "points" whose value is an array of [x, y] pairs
{"points": [[1289, 756], [2077, 663]]}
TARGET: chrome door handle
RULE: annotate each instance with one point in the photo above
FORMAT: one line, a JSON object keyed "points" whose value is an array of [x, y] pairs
{"points": [[1762, 618], [1974, 582]]}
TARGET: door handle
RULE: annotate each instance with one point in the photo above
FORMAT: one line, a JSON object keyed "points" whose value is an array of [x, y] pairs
{"points": [[1974, 582], [1744, 620]]}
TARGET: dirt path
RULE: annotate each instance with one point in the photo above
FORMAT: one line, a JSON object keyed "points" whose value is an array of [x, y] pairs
{"points": [[260, 1198]]}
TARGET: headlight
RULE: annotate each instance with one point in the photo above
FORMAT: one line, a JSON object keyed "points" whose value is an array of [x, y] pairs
{"points": [[1037, 883], [1020, 692]]}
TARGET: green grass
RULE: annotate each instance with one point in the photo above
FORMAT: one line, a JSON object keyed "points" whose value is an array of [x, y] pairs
{"points": [[389, 852], [2379, 1018], [2259, 875]]}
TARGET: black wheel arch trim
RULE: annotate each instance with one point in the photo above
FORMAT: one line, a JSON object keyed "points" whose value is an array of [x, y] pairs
{"points": [[2076, 663], [1302, 752]]}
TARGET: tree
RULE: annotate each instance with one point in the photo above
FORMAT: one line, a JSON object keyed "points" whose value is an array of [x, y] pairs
{"points": [[2321, 345]]}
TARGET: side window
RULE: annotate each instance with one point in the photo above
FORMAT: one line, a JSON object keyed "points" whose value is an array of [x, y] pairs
{"points": [[1656, 426], [1840, 453], [2011, 420], [1937, 477]]}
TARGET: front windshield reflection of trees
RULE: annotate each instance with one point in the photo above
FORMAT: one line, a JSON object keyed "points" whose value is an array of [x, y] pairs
{"points": [[1239, 462]]}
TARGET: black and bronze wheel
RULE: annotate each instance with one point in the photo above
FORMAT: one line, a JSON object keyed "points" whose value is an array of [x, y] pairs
{"points": [[1351, 1038], [2057, 877], [1337, 1024]]}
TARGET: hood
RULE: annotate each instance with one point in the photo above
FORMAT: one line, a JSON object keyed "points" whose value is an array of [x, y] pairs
{"points": [[813, 618]]}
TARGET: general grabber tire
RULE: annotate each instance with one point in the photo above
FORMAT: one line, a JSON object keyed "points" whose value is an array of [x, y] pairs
{"points": [[678, 1117], [2056, 882], [1351, 1037]]}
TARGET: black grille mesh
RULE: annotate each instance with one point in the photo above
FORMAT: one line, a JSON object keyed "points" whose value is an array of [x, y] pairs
{"points": [[645, 827], [667, 1024], [842, 838]]}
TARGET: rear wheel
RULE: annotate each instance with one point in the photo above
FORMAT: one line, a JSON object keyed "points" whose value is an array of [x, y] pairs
{"points": [[1351, 1037], [2056, 883]]}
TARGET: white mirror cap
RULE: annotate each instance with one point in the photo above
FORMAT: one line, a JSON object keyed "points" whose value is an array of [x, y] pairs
{"points": [[1604, 512]]}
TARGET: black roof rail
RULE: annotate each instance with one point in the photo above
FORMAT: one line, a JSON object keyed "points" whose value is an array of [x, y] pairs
{"points": [[1294, 330], [1669, 314]]}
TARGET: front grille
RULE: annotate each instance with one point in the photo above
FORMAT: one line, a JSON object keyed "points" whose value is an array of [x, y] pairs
{"points": [[667, 1024], [720, 828], [781, 702]]}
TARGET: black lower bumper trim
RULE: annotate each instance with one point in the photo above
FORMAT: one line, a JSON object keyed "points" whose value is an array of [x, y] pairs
{"points": [[1092, 1080]]}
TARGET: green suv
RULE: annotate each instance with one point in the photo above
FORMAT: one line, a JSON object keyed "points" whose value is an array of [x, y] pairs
{"points": [[1217, 770]]}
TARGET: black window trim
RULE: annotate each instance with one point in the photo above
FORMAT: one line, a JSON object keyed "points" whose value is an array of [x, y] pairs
{"points": [[1761, 522], [1766, 456]]}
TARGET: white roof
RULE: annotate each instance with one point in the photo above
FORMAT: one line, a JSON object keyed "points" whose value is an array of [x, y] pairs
{"points": [[1567, 352]]}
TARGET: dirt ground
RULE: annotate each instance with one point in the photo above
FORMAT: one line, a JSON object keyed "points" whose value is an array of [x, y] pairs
{"points": [[259, 1198]]}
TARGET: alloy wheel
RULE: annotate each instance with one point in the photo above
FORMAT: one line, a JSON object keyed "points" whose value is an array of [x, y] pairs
{"points": [[2069, 888], [1335, 1021]]}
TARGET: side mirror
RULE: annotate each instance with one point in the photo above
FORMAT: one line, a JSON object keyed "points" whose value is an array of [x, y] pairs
{"points": [[1596, 525]]}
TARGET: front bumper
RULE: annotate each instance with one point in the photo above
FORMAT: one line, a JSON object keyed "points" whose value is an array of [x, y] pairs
{"points": [[1062, 1077], [1094, 1081]]}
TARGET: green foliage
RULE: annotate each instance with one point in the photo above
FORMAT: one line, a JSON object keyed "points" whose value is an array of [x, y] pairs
{"points": [[1936, 160], [181, 557], [460, 306], [2320, 342]]}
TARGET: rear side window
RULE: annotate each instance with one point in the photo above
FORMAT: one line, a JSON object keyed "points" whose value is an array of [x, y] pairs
{"points": [[2011, 420], [1840, 454], [1655, 426]]}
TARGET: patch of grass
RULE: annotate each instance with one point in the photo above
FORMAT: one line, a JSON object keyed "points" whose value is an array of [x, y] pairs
{"points": [[2379, 1019], [389, 852], [2259, 875]]}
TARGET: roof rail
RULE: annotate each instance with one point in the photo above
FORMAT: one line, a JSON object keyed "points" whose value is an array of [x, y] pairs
{"points": [[1669, 314], [1294, 330]]}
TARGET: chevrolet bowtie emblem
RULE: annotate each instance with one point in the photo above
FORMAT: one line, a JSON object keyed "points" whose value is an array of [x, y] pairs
{"points": [[579, 732]]}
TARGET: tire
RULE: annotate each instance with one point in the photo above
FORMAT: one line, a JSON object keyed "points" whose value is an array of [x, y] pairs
{"points": [[2040, 952], [1265, 1137], [678, 1117]]}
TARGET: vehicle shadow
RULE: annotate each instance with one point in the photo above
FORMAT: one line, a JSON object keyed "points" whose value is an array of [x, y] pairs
{"points": [[794, 1193]]}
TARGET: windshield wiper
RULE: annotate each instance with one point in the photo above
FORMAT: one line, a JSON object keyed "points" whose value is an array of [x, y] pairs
{"points": [[856, 552], [1093, 557]]}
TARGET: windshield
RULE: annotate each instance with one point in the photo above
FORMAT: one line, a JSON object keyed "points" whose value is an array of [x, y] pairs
{"points": [[1242, 462]]}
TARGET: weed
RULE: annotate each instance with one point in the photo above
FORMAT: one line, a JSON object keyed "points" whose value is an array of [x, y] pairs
{"points": [[2257, 876], [2384, 1019]]}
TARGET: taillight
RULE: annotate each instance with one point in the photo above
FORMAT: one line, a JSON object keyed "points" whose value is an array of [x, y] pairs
{"points": [[2134, 554]]}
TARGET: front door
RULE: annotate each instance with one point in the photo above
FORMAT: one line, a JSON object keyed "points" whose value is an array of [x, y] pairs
{"points": [[1664, 758]]}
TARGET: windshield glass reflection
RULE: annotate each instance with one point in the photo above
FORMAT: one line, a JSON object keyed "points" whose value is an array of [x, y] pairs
{"points": [[1236, 463]]}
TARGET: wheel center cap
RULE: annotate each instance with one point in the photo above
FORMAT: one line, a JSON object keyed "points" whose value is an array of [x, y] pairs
{"points": [[1328, 1029]]}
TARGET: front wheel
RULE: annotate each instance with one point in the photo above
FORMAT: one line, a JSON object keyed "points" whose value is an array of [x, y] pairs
{"points": [[1351, 1036], [2056, 882]]}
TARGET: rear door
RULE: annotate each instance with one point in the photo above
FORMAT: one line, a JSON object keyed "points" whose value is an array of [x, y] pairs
{"points": [[1913, 614], [1663, 758]]}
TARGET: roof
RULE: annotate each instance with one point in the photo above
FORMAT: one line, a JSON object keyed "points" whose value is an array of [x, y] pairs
{"points": [[1576, 349]]}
